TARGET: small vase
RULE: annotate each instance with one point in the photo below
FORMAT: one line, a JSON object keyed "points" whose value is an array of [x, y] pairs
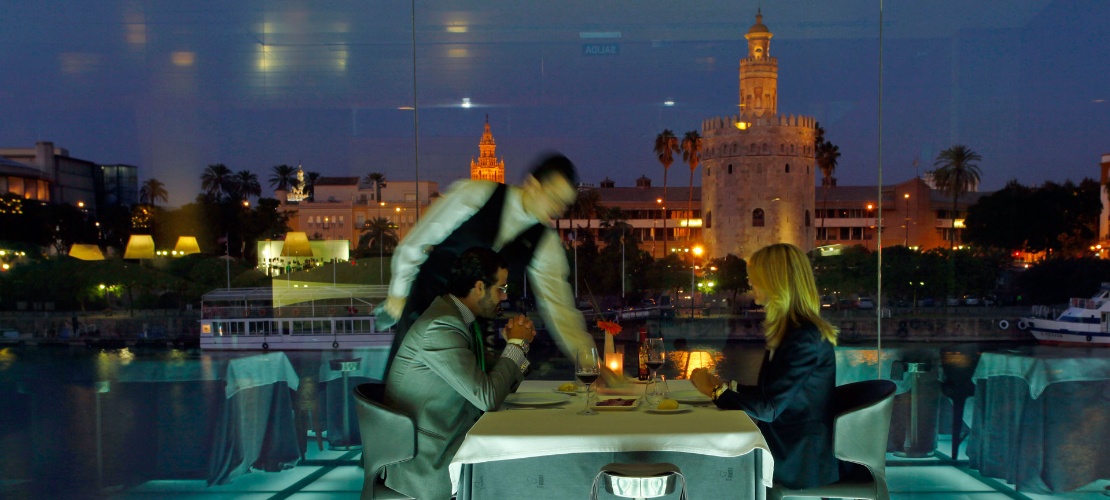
{"points": [[609, 347]]}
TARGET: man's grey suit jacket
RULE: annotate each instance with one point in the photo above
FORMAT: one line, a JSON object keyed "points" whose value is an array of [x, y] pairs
{"points": [[436, 380]]}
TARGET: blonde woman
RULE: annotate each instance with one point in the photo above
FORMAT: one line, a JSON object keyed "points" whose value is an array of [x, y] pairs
{"points": [[792, 400]]}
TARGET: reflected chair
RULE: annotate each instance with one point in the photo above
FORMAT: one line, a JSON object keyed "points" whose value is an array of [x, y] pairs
{"points": [[388, 437], [639, 480], [860, 428]]}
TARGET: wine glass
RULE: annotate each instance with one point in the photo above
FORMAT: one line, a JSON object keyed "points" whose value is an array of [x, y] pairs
{"points": [[587, 367], [656, 354]]}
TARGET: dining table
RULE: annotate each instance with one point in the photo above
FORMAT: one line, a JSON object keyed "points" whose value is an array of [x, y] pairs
{"points": [[548, 450], [1042, 415]]}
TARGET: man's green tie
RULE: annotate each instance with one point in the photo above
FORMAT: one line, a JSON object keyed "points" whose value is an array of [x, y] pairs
{"points": [[479, 348]]}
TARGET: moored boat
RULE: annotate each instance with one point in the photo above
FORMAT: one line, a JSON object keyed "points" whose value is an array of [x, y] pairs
{"points": [[293, 317], [1085, 322]]}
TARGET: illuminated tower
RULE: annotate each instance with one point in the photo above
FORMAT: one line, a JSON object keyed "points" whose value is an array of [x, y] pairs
{"points": [[758, 173], [487, 168], [759, 72]]}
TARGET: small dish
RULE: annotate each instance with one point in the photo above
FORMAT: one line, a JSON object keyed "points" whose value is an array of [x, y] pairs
{"points": [[681, 408], [578, 390], [635, 403], [535, 399], [690, 397]]}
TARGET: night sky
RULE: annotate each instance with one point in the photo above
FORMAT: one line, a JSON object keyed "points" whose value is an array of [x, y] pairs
{"points": [[173, 86]]}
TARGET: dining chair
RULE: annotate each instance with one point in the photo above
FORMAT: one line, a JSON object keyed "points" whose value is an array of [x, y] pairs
{"points": [[639, 480], [860, 428], [388, 437]]}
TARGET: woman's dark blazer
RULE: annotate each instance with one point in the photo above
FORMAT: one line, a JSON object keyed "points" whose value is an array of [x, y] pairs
{"points": [[792, 404]]}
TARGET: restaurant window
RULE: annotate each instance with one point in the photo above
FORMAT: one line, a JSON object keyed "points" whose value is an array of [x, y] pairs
{"points": [[808, 223], [730, 168], [709, 219], [757, 217], [788, 168]]}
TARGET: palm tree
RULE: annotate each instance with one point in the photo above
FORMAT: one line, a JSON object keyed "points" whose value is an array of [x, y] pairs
{"points": [[283, 177], [379, 234], [310, 184], [587, 205], [666, 144], [153, 190], [246, 185], [956, 174], [377, 179], [826, 154], [691, 154], [615, 227], [216, 180]]}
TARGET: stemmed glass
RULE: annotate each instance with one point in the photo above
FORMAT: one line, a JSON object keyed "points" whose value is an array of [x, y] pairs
{"points": [[656, 355], [587, 367]]}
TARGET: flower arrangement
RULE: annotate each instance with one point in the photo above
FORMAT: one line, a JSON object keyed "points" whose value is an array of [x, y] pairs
{"points": [[610, 327]]}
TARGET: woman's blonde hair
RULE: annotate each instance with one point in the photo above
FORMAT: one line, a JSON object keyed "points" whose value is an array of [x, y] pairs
{"points": [[783, 274]]}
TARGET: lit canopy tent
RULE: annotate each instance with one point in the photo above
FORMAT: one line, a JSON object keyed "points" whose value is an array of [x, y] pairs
{"points": [[296, 245], [139, 246], [86, 252], [282, 294], [187, 245]]}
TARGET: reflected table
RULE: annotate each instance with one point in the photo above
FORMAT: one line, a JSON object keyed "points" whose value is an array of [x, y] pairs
{"points": [[554, 453], [1042, 415]]}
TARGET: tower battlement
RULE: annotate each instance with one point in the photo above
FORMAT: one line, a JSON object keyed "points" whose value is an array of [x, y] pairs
{"points": [[762, 61], [719, 123]]}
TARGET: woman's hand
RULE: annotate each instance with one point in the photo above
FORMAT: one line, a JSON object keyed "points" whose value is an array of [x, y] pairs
{"points": [[704, 381]]}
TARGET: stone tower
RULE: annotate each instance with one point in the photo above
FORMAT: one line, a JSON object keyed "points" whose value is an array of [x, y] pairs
{"points": [[758, 170], [487, 168]]}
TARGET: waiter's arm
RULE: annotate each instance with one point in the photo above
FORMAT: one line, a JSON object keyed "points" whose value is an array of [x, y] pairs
{"points": [[548, 273], [461, 201]]}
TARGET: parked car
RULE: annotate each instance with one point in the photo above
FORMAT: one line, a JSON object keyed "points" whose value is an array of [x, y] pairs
{"points": [[971, 300], [826, 302], [865, 303]]}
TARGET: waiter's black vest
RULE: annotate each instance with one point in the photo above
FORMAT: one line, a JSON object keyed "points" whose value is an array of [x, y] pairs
{"points": [[480, 230]]}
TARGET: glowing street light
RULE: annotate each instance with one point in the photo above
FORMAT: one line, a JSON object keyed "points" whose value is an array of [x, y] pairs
{"points": [[697, 251]]}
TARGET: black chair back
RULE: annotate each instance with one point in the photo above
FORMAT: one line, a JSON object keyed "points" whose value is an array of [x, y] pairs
{"points": [[388, 436]]}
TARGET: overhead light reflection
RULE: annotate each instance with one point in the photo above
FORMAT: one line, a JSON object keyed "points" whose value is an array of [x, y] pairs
{"points": [[183, 58]]}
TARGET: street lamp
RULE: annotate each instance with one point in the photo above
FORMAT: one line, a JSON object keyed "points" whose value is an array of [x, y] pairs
{"points": [[381, 253], [663, 218], [906, 242], [697, 250]]}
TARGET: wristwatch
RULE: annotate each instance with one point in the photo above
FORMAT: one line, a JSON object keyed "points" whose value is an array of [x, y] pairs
{"points": [[718, 390], [519, 343]]}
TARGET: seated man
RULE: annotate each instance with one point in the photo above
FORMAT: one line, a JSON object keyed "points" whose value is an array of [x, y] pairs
{"points": [[441, 376]]}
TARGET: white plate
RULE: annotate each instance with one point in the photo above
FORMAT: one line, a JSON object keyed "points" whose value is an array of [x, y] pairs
{"points": [[536, 398], [681, 408], [689, 397], [635, 404]]}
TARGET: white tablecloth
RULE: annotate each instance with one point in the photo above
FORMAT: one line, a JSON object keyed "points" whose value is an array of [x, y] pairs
{"points": [[514, 434], [1043, 365], [260, 370]]}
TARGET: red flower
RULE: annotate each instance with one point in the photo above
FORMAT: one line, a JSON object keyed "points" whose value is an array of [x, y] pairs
{"points": [[609, 327]]}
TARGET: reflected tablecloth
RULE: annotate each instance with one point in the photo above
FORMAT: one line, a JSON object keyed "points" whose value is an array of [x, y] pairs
{"points": [[1042, 417]]}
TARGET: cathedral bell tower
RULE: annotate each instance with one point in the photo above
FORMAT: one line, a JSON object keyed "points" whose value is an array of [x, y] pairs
{"points": [[759, 73], [487, 168]]}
